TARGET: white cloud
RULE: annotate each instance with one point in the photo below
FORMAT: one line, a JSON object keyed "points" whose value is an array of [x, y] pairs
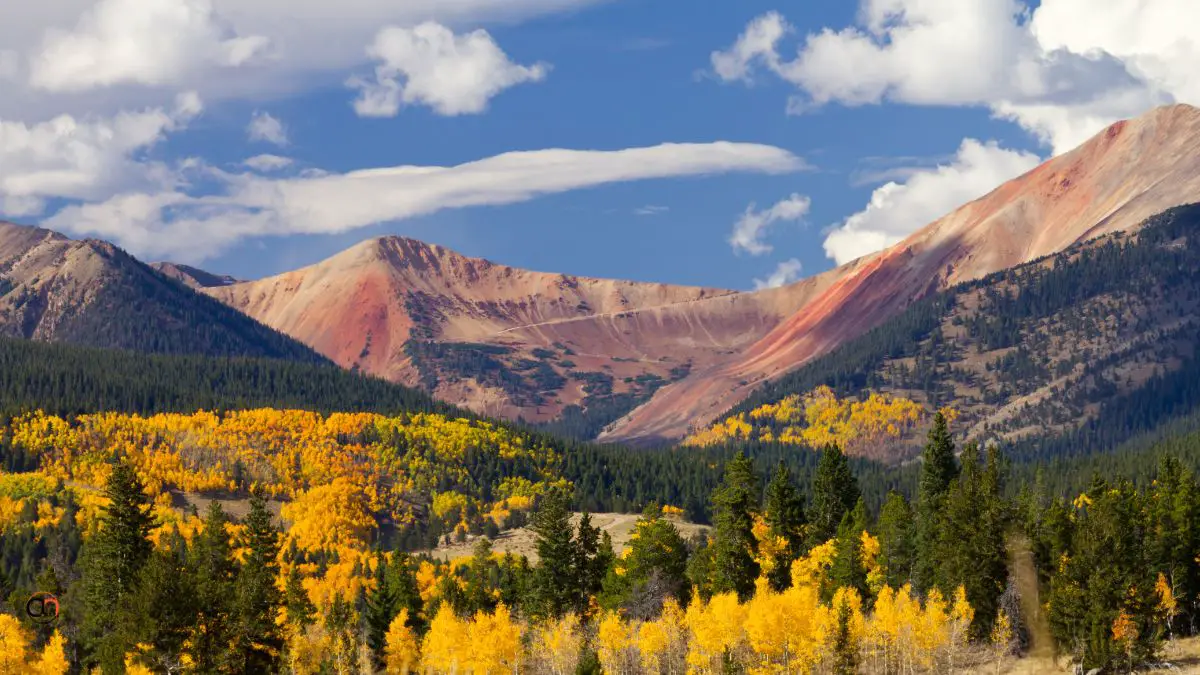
{"points": [[173, 223], [785, 273], [85, 159], [147, 42], [651, 210], [268, 163], [430, 65], [267, 129], [899, 209], [751, 228], [1063, 71]]}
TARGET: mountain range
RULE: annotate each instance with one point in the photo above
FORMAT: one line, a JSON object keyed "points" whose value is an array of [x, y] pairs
{"points": [[593, 358]]}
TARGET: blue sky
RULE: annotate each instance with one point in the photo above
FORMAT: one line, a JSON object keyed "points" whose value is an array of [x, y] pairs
{"points": [[911, 97]]}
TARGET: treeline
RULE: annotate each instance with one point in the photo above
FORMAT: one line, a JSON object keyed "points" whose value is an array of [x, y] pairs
{"points": [[68, 380]]}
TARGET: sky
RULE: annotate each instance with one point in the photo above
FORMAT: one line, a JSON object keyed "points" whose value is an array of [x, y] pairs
{"points": [[734, 144]]}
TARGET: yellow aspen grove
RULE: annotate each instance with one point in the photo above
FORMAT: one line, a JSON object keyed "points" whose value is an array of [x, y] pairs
{"points": [[1001, 639], [14, 644], [494, 642], [401, 650], [664, 642], [446, 648], [555, 647], [717, 632], [783, 628], [616, 645], [53, 659]]}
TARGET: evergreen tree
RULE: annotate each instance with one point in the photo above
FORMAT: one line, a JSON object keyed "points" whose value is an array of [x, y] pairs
{"points": [[734, 567], [480, 584], [402, 576], [938, 472], [653, 569], [162, 612], [845, 647], [257, 641], [896, 540], [213, 567], [113, 560], [381, 609], [340, 625], [847, 570], [835, 492], [784, 513], [300, 610], [555, 581], [593, 557]]}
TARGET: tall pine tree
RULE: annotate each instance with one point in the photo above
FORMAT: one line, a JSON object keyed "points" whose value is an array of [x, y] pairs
{"points": [[734, 567], [896, 540], [381, 609], [784, 513], [555, 582], [113, 560], [938, 471], [213, 567], [834, 493], [258, 641]]}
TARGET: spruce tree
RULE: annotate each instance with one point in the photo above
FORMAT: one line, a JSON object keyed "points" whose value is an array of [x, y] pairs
{"points": [[896, 540], [593, 557], [938, 471], [734, 567], [113, 560], [555, 582], [845, 647], [480, 584], [213, 566], [257, 640], [380, 611], [300, 610], [162, 611], [835, 492], [847, 570], [784, 513]]}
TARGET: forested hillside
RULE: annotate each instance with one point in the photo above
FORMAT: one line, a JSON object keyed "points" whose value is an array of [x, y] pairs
{"points": [[92, 293], [798, 577], [1069, 355]]}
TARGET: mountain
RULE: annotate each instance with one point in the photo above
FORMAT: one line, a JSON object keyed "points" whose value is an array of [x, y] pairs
{"points": [[509, 342], [56, 289], [1115, 181], [1072, 354], [191, 276]]}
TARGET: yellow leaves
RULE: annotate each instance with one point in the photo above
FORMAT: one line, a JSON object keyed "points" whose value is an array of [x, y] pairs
{"points": [[672, 512], [401, 651], [817, 419], [329, 516], [556, 646], [490, 643], [53, 659], [1124, 630], [14, 644], [812, 570], [1083, 501], [1167, 602], [135, 667], [716, 628], [616, 642]]}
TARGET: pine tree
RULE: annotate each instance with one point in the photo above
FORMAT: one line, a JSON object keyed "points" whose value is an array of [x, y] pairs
{"points": [[213, 567], [402, 576], [340, 625], [734, 567], [847, 570], [555, 581], [300, 611], [593, 557], [845, 647], [257, 641], [381, 609], [938, 472], [784, 513], [113, 560], [835, 492], [896, 540], [480, 586], [163, 609]]}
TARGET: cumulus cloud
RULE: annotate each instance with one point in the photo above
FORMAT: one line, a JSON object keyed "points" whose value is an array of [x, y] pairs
{"points": [[147, 42], [785, 273], [750, 230], [268, 163], [72, 158], [176, 224], [430, 65], [1062, 71], [899, 209], [267, 129]]}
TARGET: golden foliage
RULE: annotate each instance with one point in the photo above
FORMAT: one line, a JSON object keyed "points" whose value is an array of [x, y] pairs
{"points": [[817, 419], [402, 651]]}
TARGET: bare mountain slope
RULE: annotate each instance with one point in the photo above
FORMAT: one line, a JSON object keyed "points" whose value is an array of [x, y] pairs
{"points": [[505, 341], [92, 293], [1114, 182]]}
